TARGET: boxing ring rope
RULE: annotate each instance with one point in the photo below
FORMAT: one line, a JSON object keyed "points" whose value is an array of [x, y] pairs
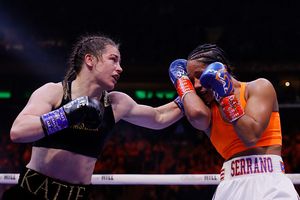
{"points": [[147, 179]]}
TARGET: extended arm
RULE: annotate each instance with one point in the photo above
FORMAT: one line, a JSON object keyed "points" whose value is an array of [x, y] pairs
{"points": [[126, 108]]}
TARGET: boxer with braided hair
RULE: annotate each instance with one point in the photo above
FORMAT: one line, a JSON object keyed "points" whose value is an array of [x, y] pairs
{"points": [[68, 122], [242, 121]]}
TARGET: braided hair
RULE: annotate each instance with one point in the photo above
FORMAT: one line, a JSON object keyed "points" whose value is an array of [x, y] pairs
{"points": [[209, 53], [90, 44]]}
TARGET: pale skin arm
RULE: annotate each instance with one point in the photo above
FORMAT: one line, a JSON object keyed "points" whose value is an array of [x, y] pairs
{"points": [[125, 108], [27, 126], [261, 102]]}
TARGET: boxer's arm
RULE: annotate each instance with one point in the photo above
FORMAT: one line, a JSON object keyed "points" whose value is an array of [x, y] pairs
{"points": [[261, 101], [82, 109], [27, 126], [197, 113], [124, 107], [179, 78]]}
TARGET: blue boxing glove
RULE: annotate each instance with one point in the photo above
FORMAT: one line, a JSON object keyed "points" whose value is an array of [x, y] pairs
{"points": [[217, 78], [83, 109], [179, 78]]}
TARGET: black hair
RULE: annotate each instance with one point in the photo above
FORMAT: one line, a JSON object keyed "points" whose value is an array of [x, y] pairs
{"points": [[209, 53]]}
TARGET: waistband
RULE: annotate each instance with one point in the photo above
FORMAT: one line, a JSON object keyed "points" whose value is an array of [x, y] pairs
{"points": [[250, 165], [46, 187]]}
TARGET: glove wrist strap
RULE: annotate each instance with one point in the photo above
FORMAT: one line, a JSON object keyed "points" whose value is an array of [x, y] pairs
{"points": [[231, 108], [179, 103], [54, 121], [184, 86]]}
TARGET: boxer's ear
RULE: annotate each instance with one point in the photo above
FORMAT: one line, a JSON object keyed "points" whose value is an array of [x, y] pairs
{"points": [[89, 60]]}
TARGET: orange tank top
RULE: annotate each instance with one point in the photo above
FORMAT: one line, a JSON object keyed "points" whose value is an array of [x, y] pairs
{"points": [[227, 142]]}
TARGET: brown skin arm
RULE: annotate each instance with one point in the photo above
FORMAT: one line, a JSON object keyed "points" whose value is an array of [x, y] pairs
{"points": [[197, 113], [261, 102]]}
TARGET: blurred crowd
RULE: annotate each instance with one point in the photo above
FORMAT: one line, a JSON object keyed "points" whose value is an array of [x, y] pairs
{"points": [[179, 149]]}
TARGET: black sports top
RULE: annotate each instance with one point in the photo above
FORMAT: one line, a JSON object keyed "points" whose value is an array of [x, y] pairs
{"points": [[78, 138]]}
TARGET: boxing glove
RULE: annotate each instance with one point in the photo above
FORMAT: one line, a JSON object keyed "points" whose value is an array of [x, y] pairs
{"points": [[83, 109], [179, 78], [217, 78]]}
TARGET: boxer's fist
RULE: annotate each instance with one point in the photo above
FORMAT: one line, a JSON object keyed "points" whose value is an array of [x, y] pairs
{"points": [[217, 78], [179, 78], [83, 109], [94, 114]]}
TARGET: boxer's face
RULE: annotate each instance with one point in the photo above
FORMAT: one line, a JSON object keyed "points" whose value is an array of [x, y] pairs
{"points": [[194, 71], [108, 67]]}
